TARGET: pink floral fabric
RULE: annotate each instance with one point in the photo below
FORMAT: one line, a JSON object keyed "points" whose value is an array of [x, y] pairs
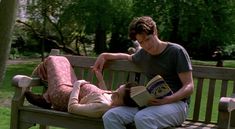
{"points": [[59, 74]]}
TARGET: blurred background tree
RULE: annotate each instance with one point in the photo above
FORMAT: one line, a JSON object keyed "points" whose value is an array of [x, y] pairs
{"points": [[91, 27], [8, 10]]}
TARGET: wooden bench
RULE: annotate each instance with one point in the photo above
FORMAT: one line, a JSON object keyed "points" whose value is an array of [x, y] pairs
{"points": [[210, 107]]}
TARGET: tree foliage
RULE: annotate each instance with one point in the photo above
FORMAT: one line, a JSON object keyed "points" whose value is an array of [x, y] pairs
{"points": [[197, 25]]}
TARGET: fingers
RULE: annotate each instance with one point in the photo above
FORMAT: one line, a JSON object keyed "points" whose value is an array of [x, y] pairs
{"points": [[98, 67], [154, 102], [78, 83], [82, 81], [99, 64], [157, 102]]}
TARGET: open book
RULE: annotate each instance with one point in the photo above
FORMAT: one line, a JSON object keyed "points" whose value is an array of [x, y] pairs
{"points": [[155, 88]]}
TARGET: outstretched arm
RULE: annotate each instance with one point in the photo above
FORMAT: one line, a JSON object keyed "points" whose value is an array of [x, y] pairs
{"points": [[102, 58], [101, 82]]}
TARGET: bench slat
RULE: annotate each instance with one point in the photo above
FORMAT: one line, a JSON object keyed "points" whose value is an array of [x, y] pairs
{"points": [[110, 81], [122, 77], [210, 101], [131, 77], [84, 61], [233, 86], [79, 72], [90, 75], [224, 88], [214, 72], [198, 98], [142, 80], [57, 118]]}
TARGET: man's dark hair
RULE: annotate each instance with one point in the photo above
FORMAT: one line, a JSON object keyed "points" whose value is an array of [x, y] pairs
{"points": [[128, 101], [140, 25]]}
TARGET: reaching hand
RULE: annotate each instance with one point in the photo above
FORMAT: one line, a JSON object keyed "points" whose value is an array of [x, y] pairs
{"points": [[99, 64], [78, 83]]}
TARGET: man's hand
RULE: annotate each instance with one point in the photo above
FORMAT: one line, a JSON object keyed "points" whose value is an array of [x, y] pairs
{"points": [[157, 102], [99, 63]]}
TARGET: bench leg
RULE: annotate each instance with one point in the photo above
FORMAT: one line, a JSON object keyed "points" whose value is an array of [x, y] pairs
{"points": [[25, 125], [224, 120], [233, 119], [43, 127]]}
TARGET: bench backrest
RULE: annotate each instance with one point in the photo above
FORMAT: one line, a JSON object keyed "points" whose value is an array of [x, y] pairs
{"points": [[211, 83]]}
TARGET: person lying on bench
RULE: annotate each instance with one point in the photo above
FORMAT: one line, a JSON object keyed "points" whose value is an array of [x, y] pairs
{"points": [[66, 93]]}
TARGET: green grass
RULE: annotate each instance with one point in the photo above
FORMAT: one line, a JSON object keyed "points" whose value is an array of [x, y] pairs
{"points": [[204, 99], [6, 91], [227, 63], [5, 117]]}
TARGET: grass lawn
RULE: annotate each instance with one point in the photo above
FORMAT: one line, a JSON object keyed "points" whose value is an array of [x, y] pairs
{"points": [[6, 91]]}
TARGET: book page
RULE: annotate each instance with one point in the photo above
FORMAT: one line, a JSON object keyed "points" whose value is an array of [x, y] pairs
{"points": [[137, 90], [140, 95], [155, 88], [158, 87]]}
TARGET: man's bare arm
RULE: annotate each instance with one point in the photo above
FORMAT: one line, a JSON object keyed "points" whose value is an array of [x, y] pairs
{"points": [[102, 58]]}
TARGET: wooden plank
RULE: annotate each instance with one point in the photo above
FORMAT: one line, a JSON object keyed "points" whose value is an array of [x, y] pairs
{"points": [[214, 72], [81, 61], [142, 80], [122, 77], [233, 86], [131, 76], [109, 81], [84, 61], [79, 73], [210, 100], [224, 88], [59, 119], [198, 98], [90, 75]]}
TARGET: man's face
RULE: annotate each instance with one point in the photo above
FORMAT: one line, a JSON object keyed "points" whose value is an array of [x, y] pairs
{"points": [[146, 42]]}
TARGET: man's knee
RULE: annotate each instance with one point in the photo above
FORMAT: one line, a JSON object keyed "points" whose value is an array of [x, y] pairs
{"points": [[109, 115], [141, 117]]}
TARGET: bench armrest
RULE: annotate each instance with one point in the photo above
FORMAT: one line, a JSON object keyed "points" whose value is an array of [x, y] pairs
{"points": [[227, 103], [25, 81], [21, 84], [226, 106]]}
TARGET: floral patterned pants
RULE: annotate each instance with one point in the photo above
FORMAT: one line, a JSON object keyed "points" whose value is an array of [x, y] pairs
{"points": [[57, 71]]}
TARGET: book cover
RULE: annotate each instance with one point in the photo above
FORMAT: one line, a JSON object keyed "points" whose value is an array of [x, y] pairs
{"points": [[155, 88]]}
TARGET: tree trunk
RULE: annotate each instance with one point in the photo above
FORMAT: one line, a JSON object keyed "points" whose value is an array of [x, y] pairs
{"points": [[100, 40], [175, 22], [7, 15]]}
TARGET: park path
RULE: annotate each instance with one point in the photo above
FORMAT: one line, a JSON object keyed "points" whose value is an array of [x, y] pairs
{"points": [[22, 61]]}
